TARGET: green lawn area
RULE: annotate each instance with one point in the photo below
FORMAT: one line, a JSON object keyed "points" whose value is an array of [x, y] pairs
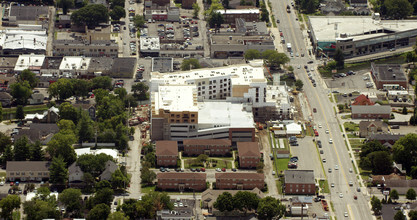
{"points": [[324, 186], [346, 116], [350, 126], [282, 164], [279, 186], [331, 98], [352, 136], [147, 189], [355, 142], [364, 173], [2, 174]]}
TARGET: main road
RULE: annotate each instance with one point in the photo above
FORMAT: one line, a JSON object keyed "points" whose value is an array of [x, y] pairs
{"points": [[336, 153]]}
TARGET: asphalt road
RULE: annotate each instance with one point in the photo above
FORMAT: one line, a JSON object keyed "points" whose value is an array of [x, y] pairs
{"points": [[337, 152]]}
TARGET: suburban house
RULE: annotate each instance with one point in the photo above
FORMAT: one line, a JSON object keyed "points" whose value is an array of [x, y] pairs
{"points": [[385, 138], [218, 147], [166, 153], [5, 99], [36, 99], [380, 179], [240, 181], [42, 132], [182, 181], [27, 170], [49, 116], [75, 176], [389, 76], [371, 111], [299, 182], [209, 196], [367, 128], [108, 171], [363, 100], [249, 155]]}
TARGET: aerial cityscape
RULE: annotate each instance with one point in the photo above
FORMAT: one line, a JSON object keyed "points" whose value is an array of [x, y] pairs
{"points": [[208, 109]]}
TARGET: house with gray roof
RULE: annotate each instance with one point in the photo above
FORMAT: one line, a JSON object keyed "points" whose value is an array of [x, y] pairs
{"points": [[42, 132], [299, 182], [27, 170], [110, 168], [371, 111], [36, 99], [75, 176]]}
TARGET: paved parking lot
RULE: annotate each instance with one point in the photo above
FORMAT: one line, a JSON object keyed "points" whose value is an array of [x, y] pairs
{"points": [[352, 82], [307, 156]]}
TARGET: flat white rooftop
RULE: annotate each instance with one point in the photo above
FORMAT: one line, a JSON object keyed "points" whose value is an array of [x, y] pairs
{"points": [[74, 63], [148, 44], [225, 114], [328, 28], [14, 39], [175, 98], [29, 61], [239, 75]]}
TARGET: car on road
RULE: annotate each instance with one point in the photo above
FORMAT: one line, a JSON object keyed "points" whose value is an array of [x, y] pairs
{"points": [[234, 170], [310, 62], [320, 126], [330, 141], [350, 183], [305, 67], [192, 169], [346, 214], [355, 197], [321, 152], [273, 172], [218, 170], [341, 195], [224, 169], [314, 110], [330, 170], [336, 167], [297, 55], [350, 170], [324, 160], [332, 184], [278, 21], [358, 189], [299, 66], [327, 131], [314, 84]]}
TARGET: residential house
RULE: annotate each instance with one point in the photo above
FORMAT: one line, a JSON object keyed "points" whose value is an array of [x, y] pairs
{"points": [[182, 181], [5, 99], [371, 111], [36, 99], [75, 176], [209, 196], [389, 76], [6, 80], [212, 147], [249, 154], [42, 132], [108, 171], [401, 185], [240, 181], [49, 116], [385, 138], [87, 106], [166, 153], [362, 100], [27, 170], [367, 128], [299, 182]]}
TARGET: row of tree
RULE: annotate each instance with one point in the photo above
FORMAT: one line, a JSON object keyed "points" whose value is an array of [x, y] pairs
{"points": [[271, 57]]}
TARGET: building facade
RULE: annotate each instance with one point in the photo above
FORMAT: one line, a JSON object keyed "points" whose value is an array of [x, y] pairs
{"points": [[299, 182], [211, 147], [230, 15], [389, 76], [371, 111], [27, 170], [166, 153], [240, 181], [85, 48], [181, 181], [249, 154]]}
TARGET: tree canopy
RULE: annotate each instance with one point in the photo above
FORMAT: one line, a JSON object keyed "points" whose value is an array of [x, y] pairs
{"points": [[398, 9], [224, 202], [90, 15], [71, 198], [252, 54], [21, 92], [411, 194], [274, 59], [99, 212], [58, 171], [29, 76], [269, 208], [8, 205], [191, 63], [405, 151]]}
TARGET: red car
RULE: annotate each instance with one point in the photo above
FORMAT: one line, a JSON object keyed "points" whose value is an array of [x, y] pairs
{"points": [[224, 169], [203, 169], [11, 183], [316, 133]]}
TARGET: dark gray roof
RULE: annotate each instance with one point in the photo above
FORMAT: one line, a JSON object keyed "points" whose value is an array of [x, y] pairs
{"points": [[5, 95], [299, 176], [123, 67], [8, 62], [100, 64], [51, 63], [28, 13], [27, 166], [371, 109], [387, 137], [388, 72], [363, 125], [162, 64], [37, 96], [38, 131], [74, 168]]}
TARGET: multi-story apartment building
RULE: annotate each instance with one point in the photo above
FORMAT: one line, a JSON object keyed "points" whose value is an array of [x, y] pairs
{"points": [[240, 181], [27, 170], [249, 154], [218, 147], [230, 15], [166, 153], [182, 181], [300, 182]]}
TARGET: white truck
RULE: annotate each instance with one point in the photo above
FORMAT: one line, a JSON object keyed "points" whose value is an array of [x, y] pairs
{"points": [[289, 47]]}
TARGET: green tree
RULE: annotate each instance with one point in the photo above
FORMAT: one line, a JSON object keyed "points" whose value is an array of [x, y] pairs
{"points": [[214, 6], [153, 202], [20, 114], [109, 107], [405, 151], [245, 201], [399, 216], [61, 89], [8, 205], [225, 3], [252, 54], [38, 210], [8, 155], [36, 152], [370, 147], [85, 127], [115, 3], [61, 145], [394, 195], [412, 214], [21, 149], [21, 92], [104, 196], [264, 13], [188, 64], [30, 77], [151, 158], [65, 5], [147, 176], [81, 87], [196, 10], [224, 202], [71, 198], [269, 208], [340, 59], [117, 12], [4, 141], [90, 15], [121, 93], [117, 216], [103, 184], [66, 126], [411, 194], [215, 20], [58, 171], [102, 82], [140, 91], [274, 59], [129, 208], [299, 84], [139, 21], [118, 180], [398, 9], [94, 164], [381, 162], [99, 212]]}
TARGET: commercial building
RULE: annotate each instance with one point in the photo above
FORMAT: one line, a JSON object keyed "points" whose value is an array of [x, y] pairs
{"points": [[85, 48], [19, 41], [182, 181], [249, 154], [240, 181], [162, 64], [149, 46], [389, 76], [230, 15], [29, 14], [33, 62], [73, 66], [299, 182], [370, 35], [162, 14], [27, 170], [166, 153], [224, 46], [397, 94], [371, 111], [211, 147]]}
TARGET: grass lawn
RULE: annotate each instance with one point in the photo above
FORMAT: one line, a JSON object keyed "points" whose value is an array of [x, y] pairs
{"points": [[2, 174], [355, 142], [352, 136], [282, 164], [147, 189], [324, 186], [331, 98], [350, 126], [364, 173], [27, 109], [279, 186], [346, 116]]}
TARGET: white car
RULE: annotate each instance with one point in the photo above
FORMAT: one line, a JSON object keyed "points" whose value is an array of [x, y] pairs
{"points": [[350, 170], [330, 141], [218, 170], [350, 183], [320, 126], [1, 183], [324, 160], [346, 214], [341, 195], [336, 167], [327, 131], [332, 184]]}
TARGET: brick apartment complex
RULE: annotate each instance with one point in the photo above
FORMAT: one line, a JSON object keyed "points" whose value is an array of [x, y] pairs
{"points": [[27, 170], [218, 147], [166, 153], [240, 181], [391, 75], [249, 15], [249, 155], [300, 182], [371, 111], [182, 181]]}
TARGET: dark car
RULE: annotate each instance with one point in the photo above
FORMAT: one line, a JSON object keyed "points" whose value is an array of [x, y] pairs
{"points": [[234, 170], [310, 62], [305, 67], [278, 21]]}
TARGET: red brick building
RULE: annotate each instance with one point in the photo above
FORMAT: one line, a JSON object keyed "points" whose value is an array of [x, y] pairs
{"points": [[392, 75], [371, 111], [218, 147], [182, 181], [166, 153], [299, 182], [230, 15], [249, 155], [363, 100], [240, 181]]}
